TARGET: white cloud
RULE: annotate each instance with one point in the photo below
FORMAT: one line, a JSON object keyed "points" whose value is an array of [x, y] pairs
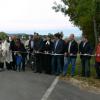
{"points": [[31, 14]]}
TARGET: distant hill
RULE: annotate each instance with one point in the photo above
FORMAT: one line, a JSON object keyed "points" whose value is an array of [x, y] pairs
{"points": [[11, 34]]}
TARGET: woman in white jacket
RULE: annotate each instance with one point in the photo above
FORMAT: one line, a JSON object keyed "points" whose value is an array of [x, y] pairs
{"points": [[2, 58], [7, 54]]}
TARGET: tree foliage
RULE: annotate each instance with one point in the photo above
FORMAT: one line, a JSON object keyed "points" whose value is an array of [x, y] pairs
{"points": [[3, 35], [81, 13]]}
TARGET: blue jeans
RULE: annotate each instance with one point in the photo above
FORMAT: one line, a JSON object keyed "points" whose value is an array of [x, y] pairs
{"points": [[18, 67], [67, 61], [56, 65]]}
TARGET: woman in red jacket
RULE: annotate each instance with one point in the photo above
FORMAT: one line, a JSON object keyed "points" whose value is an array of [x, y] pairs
{"points": [[97, 60]]}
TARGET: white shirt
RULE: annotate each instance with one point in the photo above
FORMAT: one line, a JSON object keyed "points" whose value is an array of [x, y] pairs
{"points": [[56, 43], [84, 44], [48, 43], [70, 43], [32, 44]]}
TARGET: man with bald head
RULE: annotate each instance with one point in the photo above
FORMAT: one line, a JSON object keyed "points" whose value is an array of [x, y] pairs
{"points": [[70, 55]]}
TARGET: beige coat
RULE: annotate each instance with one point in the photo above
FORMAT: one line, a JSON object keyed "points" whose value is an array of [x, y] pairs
{"points": [[7, 52], [2, 55]]}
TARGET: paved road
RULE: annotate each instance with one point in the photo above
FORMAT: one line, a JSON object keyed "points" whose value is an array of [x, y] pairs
{"points": [[23, 86], [66, 91], [31, 86]]}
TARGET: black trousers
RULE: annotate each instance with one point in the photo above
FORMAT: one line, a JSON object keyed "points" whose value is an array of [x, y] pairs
{"points": [[30, 53], [1, 65], [85, 66], [62, 62], [97, 67], [47, 63], [9, 66], [39, 62], [14, 61], [23, 63]]}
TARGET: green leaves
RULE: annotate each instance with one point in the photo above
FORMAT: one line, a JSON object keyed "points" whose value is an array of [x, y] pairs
{"points": [[81, 13], [3, 35]]}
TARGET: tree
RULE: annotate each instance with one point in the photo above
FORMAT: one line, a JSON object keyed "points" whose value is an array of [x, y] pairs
{"points": [[3, 35], [25, 36], [82, 14]]}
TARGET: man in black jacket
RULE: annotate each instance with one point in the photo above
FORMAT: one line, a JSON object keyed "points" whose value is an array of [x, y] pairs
{"points": [[31, 44], [70, 55], [38, 44], [85, 50]]}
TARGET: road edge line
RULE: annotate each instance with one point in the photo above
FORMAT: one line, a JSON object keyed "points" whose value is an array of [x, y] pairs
{"points": [[50, 89]]}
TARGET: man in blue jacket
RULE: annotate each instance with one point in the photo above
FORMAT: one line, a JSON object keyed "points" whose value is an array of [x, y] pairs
{"points": [[57, 59]]}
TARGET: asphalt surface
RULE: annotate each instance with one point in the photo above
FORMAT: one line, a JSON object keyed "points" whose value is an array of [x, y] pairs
{"points": [[23, 85], [66, 91], [31, 86]]}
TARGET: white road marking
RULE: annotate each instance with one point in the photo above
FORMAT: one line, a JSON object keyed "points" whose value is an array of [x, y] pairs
{"points": [[50, 89]]}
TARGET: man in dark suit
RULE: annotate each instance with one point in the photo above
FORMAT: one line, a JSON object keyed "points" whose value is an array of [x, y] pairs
{"points": [[70, 55], [56, 59], [85, 49], [38, 43], [31, 44]]}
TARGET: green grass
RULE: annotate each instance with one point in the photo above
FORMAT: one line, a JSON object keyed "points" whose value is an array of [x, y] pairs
{"points": [[91, 81]]}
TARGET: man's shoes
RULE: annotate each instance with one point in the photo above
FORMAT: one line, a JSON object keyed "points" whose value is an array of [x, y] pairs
{"points": [[97, 77], [35, 71], [72, 75], [63, 75], [57, 74]]}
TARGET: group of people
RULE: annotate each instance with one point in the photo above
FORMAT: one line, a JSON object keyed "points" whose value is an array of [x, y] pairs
{"points": [[52, 55], [11, 54], [57, 54]]}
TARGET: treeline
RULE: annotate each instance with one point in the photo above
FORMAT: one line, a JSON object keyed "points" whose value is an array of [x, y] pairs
{"points": [[83, 13], [4, 35]]}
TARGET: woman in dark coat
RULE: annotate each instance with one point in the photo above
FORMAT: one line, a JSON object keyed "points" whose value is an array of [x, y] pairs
{"points": [[47, 48], [12, 48], [19, 46]]}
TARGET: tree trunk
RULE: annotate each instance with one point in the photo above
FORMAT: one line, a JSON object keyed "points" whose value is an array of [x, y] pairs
{"points": [[95, 31]]}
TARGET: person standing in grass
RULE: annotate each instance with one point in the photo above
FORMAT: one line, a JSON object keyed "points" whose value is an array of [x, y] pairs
{"points": [[97, 59], [70, 55], [85, 51]]}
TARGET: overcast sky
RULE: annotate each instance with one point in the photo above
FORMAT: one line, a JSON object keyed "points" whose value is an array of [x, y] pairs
{"points": [[33, 15]]}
